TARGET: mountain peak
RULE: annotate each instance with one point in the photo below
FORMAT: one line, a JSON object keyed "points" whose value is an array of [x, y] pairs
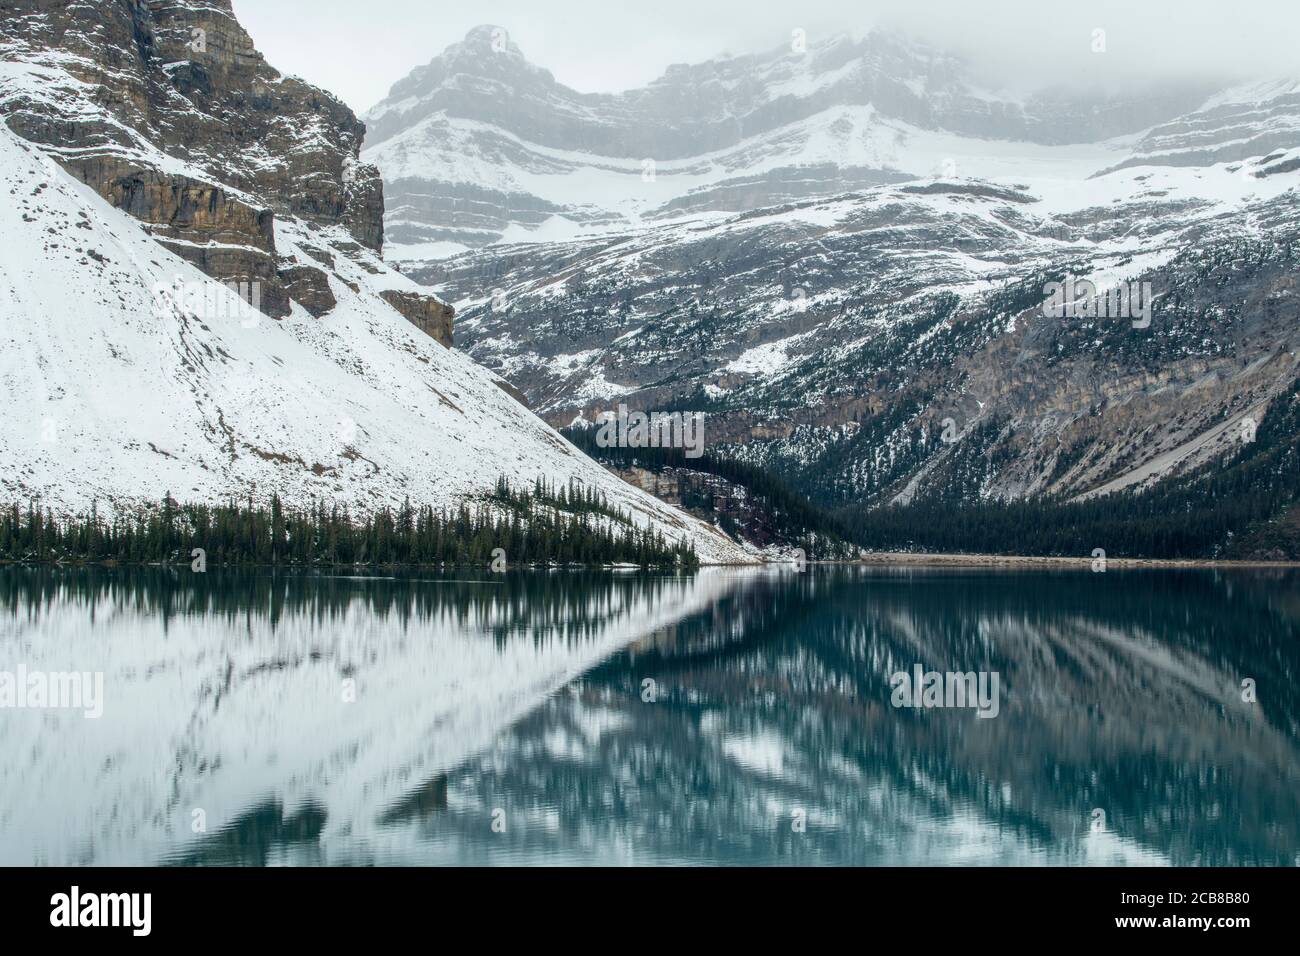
{"points": [[486, 63]]}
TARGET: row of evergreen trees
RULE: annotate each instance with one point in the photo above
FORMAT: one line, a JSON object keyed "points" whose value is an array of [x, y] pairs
{"points": [[542, 527]]}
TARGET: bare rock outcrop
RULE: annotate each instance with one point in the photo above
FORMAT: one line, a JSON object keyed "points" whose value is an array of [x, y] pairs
{"points": [[430, 315], [310, 288], [192, 132]]}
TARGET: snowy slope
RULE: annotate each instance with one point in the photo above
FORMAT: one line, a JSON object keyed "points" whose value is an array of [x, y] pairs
{"points": [[121, 385]]}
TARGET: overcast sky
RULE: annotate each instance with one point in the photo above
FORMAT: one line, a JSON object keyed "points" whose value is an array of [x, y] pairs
{"points": [[358, 50]]}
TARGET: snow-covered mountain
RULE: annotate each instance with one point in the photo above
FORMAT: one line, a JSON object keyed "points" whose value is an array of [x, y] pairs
{"points": [[481, 145], [833, 338], [840, 254], [146, 180], [841, 279]]}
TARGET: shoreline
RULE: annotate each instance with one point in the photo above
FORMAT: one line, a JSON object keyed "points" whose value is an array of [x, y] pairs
{"points": [[873, 559], [908, 559]]}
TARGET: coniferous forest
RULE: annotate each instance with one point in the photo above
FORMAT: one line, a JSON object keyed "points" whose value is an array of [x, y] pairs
{"points": [[1241, 506], [544, 525]]}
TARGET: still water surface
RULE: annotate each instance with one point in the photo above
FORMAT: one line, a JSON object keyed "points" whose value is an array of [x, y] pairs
{"points": [[733, 717]]}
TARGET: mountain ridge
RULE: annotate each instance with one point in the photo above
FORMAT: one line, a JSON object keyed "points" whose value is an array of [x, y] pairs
{"points": [[530, 152]]}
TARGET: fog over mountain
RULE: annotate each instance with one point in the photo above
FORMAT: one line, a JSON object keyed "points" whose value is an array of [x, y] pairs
{"points": [[481, 139], [600, 47]]}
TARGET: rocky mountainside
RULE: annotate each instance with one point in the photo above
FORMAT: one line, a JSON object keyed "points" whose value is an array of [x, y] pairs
{"points": [[837, 338], [194, 300], [1258, 120], [481, 144], [168, 111], [889, 343]]}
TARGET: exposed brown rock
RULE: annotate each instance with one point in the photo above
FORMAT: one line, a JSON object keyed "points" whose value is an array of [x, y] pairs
{"points": [[309, 287], [185, 79], [234, 265], [431, 316], [183, 208], [220, 233]]}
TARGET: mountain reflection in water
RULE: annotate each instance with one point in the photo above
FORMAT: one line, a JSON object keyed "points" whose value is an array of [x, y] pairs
{"points": [[727, 717]]}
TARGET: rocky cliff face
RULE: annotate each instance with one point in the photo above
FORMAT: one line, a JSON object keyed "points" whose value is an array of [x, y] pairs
{"points": [[169, 112], [186, 79]]}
